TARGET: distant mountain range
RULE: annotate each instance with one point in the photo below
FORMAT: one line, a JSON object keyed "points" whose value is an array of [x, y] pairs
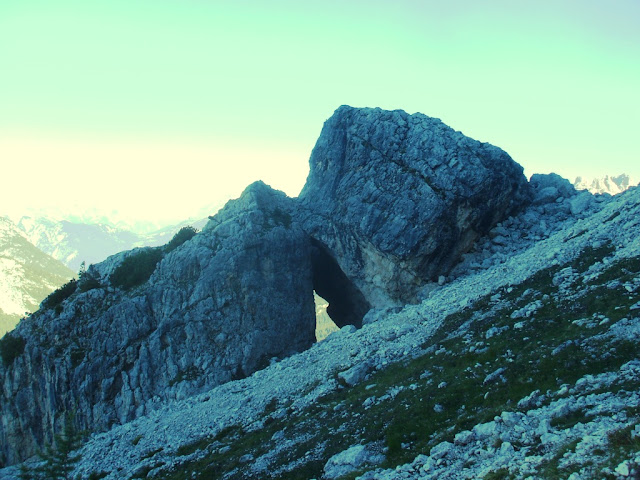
{"points": [[74, 242], [607, 184], [324, 324], [39, 254], [117, 220], [27, 275]]}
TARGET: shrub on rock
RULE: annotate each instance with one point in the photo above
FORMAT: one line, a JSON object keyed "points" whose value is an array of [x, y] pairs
{"points": [[136, 269], [184, 234]]}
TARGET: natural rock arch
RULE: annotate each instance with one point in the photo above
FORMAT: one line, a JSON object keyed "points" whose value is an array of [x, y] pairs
{"points": [[392, 200], [347, 304]]}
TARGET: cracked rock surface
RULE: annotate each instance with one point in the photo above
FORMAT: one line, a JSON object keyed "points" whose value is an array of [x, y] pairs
{"points": [[397, 198], [392, 202]]}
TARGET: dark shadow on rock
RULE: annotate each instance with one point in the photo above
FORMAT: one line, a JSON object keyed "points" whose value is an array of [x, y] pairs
{"points": [[347, 304]]}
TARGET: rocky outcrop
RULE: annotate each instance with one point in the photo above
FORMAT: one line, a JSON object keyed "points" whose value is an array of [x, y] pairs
{"points": [[392, 201], [548, 188], [396, 199], [217, 308]]}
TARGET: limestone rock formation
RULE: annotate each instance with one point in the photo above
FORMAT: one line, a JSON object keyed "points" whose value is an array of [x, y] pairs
{"points": [[396, 199], [392, 201], [218, 307], [547, 188]]}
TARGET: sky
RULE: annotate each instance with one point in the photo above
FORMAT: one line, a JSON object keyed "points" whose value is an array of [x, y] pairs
{"points": [[153, 109]]}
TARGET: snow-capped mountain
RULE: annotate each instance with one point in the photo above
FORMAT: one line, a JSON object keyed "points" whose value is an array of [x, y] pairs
{"points": [[76, 214], [40, 254], [27, 275], [607, 184], [74, 242], [118, 221]]}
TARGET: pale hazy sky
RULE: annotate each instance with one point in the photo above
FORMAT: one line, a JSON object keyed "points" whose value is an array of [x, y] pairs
{"points": [[153, 108]]}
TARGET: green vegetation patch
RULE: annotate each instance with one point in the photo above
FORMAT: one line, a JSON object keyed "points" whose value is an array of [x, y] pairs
{"points": [[136, 268], [570, 419], [552, 469], [143, 472], [59, 459], [277, 217], [88, 282], [591, 255], [223, 454], [59, 295], [152, 453], [500, 474], [189, 374], [184, 234], [11, 347], [622, 270], [622, 446], [97, 475]]}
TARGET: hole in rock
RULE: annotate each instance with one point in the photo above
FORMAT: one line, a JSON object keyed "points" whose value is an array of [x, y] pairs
{"points": [[346, 303], [324, 324]]}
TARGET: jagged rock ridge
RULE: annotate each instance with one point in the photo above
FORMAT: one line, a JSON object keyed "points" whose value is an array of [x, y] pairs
{"points": [[392, 202]]}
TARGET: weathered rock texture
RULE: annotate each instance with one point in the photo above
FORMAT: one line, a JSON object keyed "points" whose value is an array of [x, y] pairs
{"points": [[391, 202], [216, 308], [397, 198]]}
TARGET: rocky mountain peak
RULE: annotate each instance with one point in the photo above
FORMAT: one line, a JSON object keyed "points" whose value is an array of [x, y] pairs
{"points": [[256, 195], [609, 184], [259, 200], [397, 198]]}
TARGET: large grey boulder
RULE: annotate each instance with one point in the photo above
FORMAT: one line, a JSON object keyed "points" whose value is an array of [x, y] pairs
{"points": [[218, 307], [395, 200], [549, 187], [352, 459]]}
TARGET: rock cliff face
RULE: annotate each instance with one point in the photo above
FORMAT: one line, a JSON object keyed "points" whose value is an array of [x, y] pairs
{"points": [[397, 198], [217, 308], [391, 203]]}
